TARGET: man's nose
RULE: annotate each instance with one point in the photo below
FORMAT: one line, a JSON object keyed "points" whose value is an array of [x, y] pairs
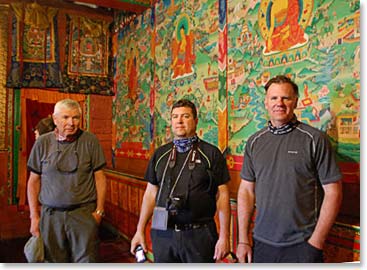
{"points": [[280, 102], [70, 121]]}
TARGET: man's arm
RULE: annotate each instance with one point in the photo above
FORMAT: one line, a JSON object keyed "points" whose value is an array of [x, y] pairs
{"points": [[328, 212], [245, 210], [223, 208], [146, 212], [33, 190], [100, 180]]}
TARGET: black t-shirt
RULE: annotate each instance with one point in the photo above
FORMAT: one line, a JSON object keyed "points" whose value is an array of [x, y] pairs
{"points": [[196, 189]]}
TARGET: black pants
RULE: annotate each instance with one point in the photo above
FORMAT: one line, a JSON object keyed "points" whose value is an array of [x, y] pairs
{"points": [[298, 253], [190, 246]]}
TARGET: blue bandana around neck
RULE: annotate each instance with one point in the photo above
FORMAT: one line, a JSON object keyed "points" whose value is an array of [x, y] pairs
{"points": [[184, 145], [285, 128]]}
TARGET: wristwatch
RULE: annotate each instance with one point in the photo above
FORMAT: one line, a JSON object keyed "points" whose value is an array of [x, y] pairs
{"points": [[100, 213]]}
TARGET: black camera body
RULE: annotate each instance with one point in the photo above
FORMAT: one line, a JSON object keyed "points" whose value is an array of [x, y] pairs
{"points": [[174, 205]]}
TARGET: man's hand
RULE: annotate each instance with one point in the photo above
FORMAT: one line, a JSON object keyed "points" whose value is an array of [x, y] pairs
{"points": [[97, 217], [244, 253], [221, 249], [138, 239]]}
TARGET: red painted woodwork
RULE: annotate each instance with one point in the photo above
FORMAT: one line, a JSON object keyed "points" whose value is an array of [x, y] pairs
{"points": [[123, 203]]}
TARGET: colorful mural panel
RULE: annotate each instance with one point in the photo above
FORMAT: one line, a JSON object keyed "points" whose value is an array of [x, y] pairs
{"points": [[89, 68], [88, 47], [220, 54], [183, 64], [34, 61], [313, 42], [186, 64], [134, 81]]}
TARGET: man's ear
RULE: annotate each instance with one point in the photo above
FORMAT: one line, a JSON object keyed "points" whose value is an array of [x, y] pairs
{"points": [[295, 105]]}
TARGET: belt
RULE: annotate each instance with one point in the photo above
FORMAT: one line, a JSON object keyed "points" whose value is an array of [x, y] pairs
{"points": [[189, 226], [68, 208]]}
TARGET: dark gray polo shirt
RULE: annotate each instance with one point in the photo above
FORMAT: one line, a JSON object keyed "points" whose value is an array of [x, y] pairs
{"points": [[64, 189], [289, 171]]}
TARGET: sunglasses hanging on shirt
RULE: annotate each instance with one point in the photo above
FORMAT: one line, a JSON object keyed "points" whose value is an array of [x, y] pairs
{"points": [[67, 161]]}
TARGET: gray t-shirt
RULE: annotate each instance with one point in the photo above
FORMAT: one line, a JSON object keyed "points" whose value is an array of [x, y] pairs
{"points": [[289, 171], [66, 169]]}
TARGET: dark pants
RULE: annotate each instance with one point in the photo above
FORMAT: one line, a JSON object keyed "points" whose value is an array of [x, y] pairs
{"points": [[70, 236], [189, 246], [298, 253]]}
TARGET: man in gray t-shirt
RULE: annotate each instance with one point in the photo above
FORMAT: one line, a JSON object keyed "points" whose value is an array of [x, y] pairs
{"points": [[290, 171], [67, 179]]}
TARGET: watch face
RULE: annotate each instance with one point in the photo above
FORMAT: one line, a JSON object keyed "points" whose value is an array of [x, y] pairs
{"points": [[100, 212]]}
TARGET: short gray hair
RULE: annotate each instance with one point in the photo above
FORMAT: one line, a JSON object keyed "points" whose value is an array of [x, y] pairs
{"points": [[67, 103]]}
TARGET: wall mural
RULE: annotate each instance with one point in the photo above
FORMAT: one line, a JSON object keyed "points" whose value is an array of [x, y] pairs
{"points": [[186, 48], [315, 43], [181, 62], [134, 83], [186, 64]]}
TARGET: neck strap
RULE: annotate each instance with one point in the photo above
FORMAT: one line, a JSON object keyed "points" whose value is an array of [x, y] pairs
{"points": [[288, 127], [192, 155]]}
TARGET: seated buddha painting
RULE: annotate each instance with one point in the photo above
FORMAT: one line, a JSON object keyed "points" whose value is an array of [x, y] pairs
{"points": [[282, 23]]}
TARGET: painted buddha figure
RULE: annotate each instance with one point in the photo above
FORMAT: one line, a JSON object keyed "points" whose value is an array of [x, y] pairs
{"points": [[284, 28], [182, 53]]}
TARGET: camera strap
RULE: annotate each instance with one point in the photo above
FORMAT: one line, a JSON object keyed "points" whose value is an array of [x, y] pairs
{"points": [[179, 174], [163, 178], [172, 157], [171, 161], [193, 154]]}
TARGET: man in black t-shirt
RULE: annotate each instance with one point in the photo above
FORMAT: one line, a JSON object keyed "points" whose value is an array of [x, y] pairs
{"points": [[187, 184]]}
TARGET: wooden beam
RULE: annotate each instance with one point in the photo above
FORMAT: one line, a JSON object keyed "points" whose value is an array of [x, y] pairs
{"points": [[116, 4], [65, 5]]}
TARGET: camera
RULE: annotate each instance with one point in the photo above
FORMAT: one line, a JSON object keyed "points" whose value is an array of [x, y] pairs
{"points": [[140, 254], [174, 205]]}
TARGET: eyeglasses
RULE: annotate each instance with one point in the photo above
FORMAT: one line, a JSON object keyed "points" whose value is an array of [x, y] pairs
{"points": [[66, 162]]}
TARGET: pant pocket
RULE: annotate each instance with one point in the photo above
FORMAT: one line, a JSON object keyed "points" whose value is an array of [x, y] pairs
{"points": [[313, 254]]}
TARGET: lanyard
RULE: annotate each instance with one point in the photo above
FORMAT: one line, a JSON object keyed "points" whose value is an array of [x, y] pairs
{"points": [[171, 162]]}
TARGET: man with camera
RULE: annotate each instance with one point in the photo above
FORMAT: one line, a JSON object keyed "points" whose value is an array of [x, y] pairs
{"points": [[187, 184]]}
